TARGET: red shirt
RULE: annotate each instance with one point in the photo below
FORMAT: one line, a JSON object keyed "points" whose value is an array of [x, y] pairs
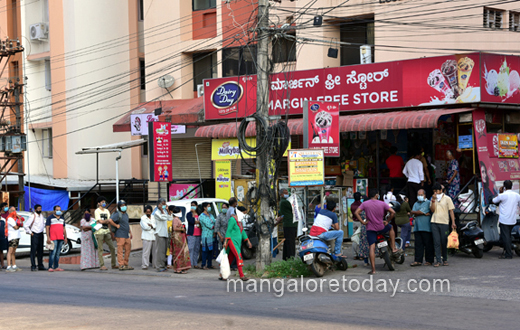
{"points": [[395, 165]]}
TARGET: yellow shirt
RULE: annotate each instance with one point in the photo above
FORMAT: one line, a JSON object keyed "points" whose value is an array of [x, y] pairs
{"points": [[442, 208], [102, 215]]}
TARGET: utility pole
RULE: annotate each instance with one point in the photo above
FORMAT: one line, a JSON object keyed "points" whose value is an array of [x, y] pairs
{"points": [[21, 185], [263, 255]]}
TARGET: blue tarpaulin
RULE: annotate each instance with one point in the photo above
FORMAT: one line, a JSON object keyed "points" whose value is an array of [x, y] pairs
{"points": [[46, 198]]}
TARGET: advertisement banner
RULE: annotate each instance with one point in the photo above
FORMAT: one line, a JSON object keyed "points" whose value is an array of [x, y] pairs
{"points": [[306, 167], [507, 146], [229, 149], [322, 127], [178, 190], [139, 124], [223, 179], [500, 78], [160, 155], [419, 82]]}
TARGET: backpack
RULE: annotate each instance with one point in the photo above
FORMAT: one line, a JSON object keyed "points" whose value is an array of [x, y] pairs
{"points": [[112, 228]]}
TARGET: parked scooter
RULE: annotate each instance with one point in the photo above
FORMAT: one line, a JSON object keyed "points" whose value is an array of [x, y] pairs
{"points": [[383, 249], [471, 237], [319, 254], [515, 237], [491, 233], [250, 227]]}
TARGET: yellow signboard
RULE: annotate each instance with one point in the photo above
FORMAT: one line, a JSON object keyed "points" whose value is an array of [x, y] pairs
{"points": [[223, 179], [228, 149], [306, 167]]}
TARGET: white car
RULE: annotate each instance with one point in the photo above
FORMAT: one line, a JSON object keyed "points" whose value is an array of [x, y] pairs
{"points": [[73, 236]]}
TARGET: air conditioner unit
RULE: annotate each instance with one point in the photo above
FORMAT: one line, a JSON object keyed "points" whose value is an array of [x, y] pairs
{"points": [[200, 90], [39, 31], [365, 54]]}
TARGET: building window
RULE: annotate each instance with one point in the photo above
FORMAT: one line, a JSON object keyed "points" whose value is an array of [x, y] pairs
{"points": [[238, 61], [140, 10], [142, 74], [204, 67], [48, 81], [514, 21], [284, 49], [47, 143], [204, 4], [493, 18], [358, 32]]}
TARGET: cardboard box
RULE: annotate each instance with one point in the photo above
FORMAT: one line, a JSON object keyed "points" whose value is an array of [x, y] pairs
{"points": [[348, 179], [332, 170]]}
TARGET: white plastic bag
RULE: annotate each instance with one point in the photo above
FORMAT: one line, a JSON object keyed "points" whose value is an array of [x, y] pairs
{"points": [[225, 270], [355, 236]]}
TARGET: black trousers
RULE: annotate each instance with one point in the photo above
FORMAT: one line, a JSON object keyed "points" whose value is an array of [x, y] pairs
{"points": [[505, 238], [37, 249], [289, 245], [413, 188], [424, 246]]}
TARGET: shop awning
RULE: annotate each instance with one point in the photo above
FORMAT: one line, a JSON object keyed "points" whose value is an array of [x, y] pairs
{"points": [[178, 111], [350, 123]]}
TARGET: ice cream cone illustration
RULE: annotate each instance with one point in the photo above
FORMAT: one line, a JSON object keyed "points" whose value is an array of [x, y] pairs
{"points": [[323, 121], [449, 71], [465, 66], [436, 80]]}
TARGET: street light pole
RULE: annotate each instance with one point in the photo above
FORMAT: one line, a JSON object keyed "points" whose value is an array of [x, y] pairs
{"points": [[263, 255]]}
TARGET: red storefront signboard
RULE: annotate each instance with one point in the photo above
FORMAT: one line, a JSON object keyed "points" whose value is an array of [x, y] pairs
{"points": [[420, 82], [492, 168], [322, 127], [160, 156], [500, 78]]}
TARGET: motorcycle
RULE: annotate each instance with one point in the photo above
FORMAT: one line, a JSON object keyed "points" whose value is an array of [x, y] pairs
{"points": [[491, 234], [471, 237], [515, 236], [318, 254], [251, 230], [384, 252]]}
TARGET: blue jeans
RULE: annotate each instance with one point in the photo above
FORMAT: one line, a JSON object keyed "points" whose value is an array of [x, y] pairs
{"points": [[207, 256], [54, 257], [406, 231], [334, 235], [274, 242]]}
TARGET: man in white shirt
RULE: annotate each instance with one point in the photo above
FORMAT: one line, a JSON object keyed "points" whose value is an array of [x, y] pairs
{"points": [[414, 171], [161, 216], [147, 235], [509, 201], [34, 226]]}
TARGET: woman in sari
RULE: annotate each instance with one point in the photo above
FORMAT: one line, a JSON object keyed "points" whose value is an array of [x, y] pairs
{"points": [[178, 245], [89, 254], [235, 234], [453, 178]]}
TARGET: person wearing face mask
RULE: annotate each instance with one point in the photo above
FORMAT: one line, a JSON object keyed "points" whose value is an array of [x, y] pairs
{"points": [[147, 236], [34, 226], [442, 208], [422, 231], [289, 227], [55, 227], [3, 239], [221, 225], [89, 258], [207, 222], [121, 222], [103, 234], [193, 235], [14, 235], [161, 215]]}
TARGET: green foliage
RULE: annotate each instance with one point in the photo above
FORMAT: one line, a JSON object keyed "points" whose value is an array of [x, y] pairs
{"points": [[291, 268]]}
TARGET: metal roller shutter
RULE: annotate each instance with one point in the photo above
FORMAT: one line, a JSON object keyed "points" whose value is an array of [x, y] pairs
{"points": [[185, 158]]}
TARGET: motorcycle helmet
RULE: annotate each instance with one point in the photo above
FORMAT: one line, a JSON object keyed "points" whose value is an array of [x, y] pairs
{"points": [[396, 206]]}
